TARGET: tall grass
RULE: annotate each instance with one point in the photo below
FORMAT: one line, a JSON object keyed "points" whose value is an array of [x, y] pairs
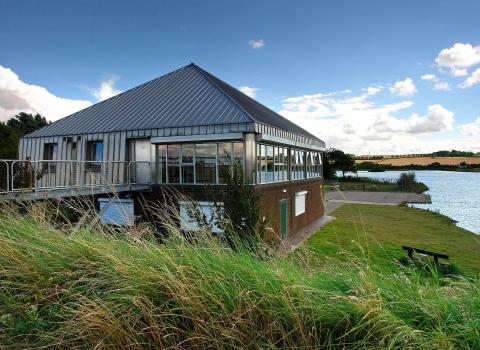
{"points": [[64, 286]]}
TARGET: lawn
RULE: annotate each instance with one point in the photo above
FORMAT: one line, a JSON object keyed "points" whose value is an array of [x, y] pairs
{"points": [[380, 231]]}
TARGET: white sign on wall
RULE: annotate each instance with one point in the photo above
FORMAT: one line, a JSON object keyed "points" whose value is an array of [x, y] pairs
{"points": [[300, 202]]}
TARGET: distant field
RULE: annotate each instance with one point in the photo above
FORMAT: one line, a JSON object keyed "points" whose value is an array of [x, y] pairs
{"points": [[423, 160]]}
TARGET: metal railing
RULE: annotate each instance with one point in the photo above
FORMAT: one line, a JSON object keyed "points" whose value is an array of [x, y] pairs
{"points": [[44, 175]]}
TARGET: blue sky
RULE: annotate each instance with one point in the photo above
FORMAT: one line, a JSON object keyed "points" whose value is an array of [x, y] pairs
{"points": [[330, 66]]}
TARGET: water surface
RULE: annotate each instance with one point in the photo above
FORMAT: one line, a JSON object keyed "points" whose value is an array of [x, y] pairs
{"points": [[455, 194]]}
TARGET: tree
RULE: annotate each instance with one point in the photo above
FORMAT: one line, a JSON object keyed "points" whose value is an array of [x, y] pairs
{"points": [[237, 209], [16, 127], [338, 160]]}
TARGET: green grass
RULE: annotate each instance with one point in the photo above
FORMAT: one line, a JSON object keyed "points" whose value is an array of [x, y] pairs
{"points": [[98, 288], [380, 231]]}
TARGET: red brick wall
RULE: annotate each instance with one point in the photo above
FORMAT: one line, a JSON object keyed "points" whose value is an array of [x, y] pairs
{"points": [[273, 193]]}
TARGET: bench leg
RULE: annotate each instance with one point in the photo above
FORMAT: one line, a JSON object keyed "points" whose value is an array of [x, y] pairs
{"points": [[410, 253], [435, 259]]}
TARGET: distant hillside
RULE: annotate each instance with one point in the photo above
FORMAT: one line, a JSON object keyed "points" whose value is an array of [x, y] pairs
{"points": [[421, 160]]}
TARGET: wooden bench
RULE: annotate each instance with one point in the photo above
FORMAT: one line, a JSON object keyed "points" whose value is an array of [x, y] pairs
{"points": [[436, 256]]}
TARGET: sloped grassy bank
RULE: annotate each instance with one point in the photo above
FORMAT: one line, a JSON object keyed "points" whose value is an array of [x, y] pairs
{"points": [[99, 289]]}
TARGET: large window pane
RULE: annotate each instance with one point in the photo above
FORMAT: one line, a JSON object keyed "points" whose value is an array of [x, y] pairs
{"points": [[161, 163], [224, 158], [188, 174], [264, 164], [205, 166], [293, 164], [285, 164], [301, 164], [187, 154], [238, 152], [276, 167], [270, 164], [259, 164], [173, 155]]}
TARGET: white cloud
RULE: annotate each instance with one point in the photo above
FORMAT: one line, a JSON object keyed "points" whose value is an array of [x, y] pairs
{"points": [[471, 129], [459, 72], [442, 86], [356, 124], [404, 88], [471, 80], [249, 91], [437, 119], [256, 44], [429, 77], [17, 96], [106, 89], [459, 55]]}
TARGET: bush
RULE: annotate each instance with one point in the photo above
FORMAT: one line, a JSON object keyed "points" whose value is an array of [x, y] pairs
{"points": [[408, 182]]}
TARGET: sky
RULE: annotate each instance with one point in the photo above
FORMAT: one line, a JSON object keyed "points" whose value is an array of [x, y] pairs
{"points": [[368, 77]]}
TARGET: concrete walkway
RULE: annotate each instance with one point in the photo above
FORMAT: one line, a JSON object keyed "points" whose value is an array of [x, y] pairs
{"points": [[335, 199], [292, 242]]}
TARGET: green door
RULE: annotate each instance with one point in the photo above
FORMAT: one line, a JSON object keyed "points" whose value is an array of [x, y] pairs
{"points": [[283, 218]]}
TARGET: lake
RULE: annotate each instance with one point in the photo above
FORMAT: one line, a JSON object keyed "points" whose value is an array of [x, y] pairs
{"points": [[454, 194]]}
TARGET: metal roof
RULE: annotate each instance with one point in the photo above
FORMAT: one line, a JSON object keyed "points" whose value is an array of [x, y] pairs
{"points": [[188, 96]]}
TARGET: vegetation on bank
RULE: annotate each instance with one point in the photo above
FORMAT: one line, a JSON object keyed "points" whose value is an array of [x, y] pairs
{"points": [[98, 287], [405, 183]]}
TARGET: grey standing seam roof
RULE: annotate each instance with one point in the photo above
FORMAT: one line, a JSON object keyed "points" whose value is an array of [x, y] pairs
{"points": [[188, 96]]}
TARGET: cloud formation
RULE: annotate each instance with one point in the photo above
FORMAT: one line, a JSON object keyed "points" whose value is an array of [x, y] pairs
{"points": [[472, 80], [249, 91], [256, 44], [357, 124], [442, 86], [17, 96], [404, 88], [106, 89], [471, 129], [429, 77], [458, 57]]}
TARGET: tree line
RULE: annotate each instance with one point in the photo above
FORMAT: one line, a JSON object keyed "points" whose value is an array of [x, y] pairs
{"points": [[13, 129]]}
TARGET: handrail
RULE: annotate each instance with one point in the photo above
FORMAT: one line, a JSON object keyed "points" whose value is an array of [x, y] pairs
{"points": [[44, 175]]}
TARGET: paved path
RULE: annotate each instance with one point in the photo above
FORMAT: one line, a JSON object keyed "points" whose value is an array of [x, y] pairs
{"points": [[335, 199]]}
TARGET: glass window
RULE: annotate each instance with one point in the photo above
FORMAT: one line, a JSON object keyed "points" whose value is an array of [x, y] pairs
{"points": [[259, 164], [173, 160], [161, 163], [285, 164], [238, 152], [301, 164], [50, 153], [277, 166], [205, 161], [188, 174], [270, 163], [94, 155], [94, 151], [263, 164], [224, 157], [293, 164]]}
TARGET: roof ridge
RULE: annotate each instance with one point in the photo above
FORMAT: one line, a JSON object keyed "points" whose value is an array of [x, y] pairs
{"points": [[205, 74]]}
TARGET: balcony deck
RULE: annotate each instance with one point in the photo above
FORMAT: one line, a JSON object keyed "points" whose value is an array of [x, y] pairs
{"points": [[46, 179]]}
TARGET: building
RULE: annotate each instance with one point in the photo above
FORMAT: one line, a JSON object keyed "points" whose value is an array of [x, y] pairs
{"points": [[180, 130]]}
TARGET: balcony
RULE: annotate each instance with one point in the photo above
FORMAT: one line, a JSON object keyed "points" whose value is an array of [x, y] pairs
{"points": [[41, 179]]}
